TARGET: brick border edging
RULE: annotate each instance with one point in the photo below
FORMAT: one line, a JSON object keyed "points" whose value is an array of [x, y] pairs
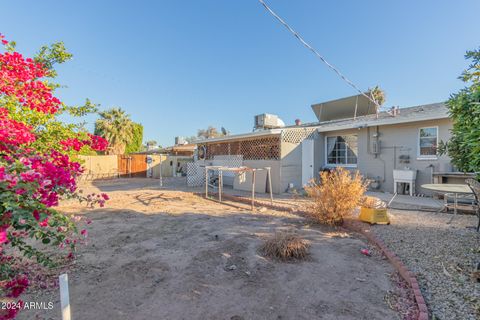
{"points": [[406, 274], [356, 226]]}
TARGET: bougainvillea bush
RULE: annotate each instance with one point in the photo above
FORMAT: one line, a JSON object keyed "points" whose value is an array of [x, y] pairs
{"points": [[37, 168]]}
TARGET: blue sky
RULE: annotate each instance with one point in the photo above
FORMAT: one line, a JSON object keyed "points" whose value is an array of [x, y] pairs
{"points": [[177, 66]]}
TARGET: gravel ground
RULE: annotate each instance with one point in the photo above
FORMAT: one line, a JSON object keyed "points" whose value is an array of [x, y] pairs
{"points": [[443, 256]]}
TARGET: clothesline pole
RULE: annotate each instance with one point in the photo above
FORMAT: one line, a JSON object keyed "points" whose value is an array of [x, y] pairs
{"points": [[220, 184], [206, 182], [253, 189], [270, 185]]}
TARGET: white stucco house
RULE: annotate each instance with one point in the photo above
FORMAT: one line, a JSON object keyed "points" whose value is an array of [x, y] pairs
{"points": [[349, 134]]}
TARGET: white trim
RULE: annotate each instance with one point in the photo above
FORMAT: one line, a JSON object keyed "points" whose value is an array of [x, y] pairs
{"points": [[372, 122], [240, 136], [426, 157], [341, 165], [332, 165]]}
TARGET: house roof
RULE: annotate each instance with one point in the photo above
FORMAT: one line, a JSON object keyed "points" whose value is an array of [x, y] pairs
{"points": [[173, 149], [432, 111], [241, 136], [426, 112], [182, 147]]}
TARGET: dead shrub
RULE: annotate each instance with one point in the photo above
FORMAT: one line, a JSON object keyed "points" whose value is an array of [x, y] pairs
{"points": [[285, 246], [335, 196]]}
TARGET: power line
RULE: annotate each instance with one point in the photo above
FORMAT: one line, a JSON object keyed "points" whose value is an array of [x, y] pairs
{"points": [[308, 46]]}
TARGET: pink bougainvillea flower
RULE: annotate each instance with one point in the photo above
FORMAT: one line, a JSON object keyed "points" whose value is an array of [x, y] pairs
{"points": [[35, 180], [20, 191], [2, 173], [43, 223], [3, 236], [2, 39], [36, 215], [16, 286]]}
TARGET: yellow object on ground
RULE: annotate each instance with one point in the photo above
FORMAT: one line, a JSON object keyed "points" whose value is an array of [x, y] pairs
{"points": [[374, 216]]}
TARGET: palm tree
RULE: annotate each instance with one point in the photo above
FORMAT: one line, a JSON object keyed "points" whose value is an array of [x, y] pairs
{"points": [[377, 94], [116, 126]]}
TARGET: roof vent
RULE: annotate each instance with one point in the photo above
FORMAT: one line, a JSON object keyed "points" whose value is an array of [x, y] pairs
{"points": [[394, 111]]}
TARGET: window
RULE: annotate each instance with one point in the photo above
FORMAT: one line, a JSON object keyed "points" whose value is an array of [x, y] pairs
{"points": [[342, 150], [427, 142]]}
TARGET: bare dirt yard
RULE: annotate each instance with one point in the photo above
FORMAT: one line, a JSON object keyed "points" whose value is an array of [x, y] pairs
{"points": [[168, 254]]}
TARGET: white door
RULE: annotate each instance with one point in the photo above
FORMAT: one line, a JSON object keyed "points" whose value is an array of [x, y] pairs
{"points": [[307, 161]]}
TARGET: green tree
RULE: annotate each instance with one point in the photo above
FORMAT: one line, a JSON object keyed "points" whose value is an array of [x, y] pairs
{"points": [[464, 108], [116, 126], [210, 132], [135, 145]]}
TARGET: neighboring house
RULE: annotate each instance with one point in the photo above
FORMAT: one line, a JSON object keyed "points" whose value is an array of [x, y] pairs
{"points": [[181, 150], [173, 160], [348, 134], [186, 150]]}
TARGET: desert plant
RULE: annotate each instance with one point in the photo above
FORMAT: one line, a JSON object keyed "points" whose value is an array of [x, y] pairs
{"points": [[335, 196], [285, 246]]}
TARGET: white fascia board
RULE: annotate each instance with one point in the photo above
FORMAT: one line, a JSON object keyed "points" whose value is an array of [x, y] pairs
{"points": [[372, 123], [240, 136]]}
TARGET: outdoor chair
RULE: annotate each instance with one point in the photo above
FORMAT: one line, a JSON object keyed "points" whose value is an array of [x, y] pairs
{"points": [[475, 186]]}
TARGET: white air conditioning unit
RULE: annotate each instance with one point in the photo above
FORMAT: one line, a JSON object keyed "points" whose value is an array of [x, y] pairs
{"points": [[268, 121]]}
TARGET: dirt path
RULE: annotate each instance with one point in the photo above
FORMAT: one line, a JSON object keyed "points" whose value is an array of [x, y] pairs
{"points": [[173, 255]]}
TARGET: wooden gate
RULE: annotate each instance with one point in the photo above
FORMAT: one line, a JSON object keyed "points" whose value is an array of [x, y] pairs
{"points": [[134, 165]]}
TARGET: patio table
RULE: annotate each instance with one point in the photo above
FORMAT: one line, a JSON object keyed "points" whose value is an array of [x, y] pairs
{"points": [[445, 188]]}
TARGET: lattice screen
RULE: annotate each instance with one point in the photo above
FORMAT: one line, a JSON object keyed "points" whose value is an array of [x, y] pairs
{"points": [[195, 174], [298, 135], [262, 148], [228, 161]]}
